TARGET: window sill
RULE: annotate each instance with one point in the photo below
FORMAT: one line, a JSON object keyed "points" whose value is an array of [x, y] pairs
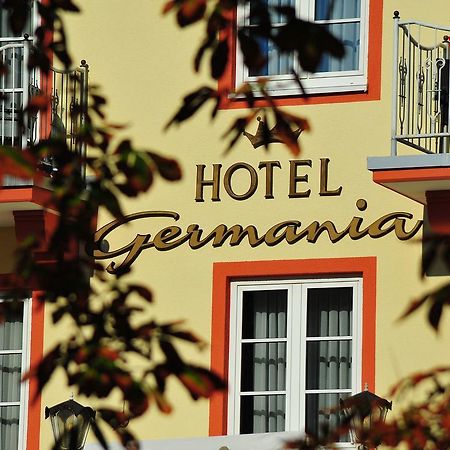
{"points": [[261, 441], [298, 99]]}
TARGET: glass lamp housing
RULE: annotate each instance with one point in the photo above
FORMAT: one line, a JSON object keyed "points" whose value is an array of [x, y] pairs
{"points": [[363, 410], [70, 423]]}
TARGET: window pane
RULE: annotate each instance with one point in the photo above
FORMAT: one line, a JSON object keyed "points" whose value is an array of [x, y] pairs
{"points": [[348, 34], [11, 329], [13, 60], [329, 365], [9, 427], [330, 311], [337, 9], [264, 314], [263, 367], [322, 414], [262, 414], [10, 374], [277, 63], [5, 29], [275, 16]]}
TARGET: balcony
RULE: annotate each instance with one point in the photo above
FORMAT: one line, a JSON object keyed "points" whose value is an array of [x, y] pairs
{"points": [[67, 94], [66, 91], [419, 162], [418, 166]]}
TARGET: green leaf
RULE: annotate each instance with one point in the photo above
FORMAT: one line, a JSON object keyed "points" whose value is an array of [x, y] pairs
{"points": [[200, 382]]}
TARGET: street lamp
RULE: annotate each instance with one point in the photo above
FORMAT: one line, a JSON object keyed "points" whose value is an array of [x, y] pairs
{"points": [[70, 424], [363, 411]]}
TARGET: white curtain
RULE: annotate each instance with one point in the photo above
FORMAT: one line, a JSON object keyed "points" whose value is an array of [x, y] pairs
{"points": [[347, 33], [324, 10], [264, 363], [337, 9], [328, 361], [277, 63], [9, 427], [323, 414], [10, 372], [10, 375], [11, 330]]}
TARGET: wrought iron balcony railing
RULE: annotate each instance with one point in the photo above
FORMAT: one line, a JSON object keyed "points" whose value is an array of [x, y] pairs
{"points": [[421, 86], [67, 94]]}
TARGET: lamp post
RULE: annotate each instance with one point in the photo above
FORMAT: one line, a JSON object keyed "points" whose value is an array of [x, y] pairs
{"points": [[363, 411], [70, 423]]}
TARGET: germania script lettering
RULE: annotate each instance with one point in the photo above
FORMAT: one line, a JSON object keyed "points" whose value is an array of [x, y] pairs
{"points": [[402, 224]]}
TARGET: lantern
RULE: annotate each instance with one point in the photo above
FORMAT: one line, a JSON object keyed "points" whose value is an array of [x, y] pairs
{"points": [[70, 423], [363, 410]]}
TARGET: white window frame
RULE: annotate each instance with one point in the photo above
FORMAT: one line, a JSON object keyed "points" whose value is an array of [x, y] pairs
{"points": [[35, 20], [25, 365], [318, 83], [296, 345]]}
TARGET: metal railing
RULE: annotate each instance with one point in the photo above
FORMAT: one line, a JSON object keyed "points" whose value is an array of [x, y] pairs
{"points": [[65, 90], [421, 86], [68, 94]]}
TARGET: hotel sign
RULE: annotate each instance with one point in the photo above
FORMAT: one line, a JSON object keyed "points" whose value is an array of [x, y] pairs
{"points": [[291, 231]]}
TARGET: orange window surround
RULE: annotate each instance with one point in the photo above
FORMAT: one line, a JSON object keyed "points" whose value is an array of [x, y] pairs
{"points": [[36, 351], [228, 81], [226, 272]]}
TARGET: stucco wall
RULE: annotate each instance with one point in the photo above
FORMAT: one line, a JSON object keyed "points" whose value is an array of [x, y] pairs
{"points": [[144, 65]]}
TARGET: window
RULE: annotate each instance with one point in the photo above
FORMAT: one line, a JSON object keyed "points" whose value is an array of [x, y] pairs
{"points": [[14, 338], [5, 29], [15, 82], [297, 290], [345, 19], [294, 352]]}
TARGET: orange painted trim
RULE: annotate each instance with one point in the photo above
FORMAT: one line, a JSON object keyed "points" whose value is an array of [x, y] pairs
{"points": [[34, 398], [36, 353], [406, 175], [375, 33], [46, 115], [34, 194], [226, 272]]}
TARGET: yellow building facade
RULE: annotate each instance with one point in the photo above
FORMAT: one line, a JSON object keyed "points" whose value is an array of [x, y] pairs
{"points": [[294, 268]]}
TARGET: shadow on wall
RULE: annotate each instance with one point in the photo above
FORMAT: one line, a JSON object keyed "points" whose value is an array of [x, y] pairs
{"points": [[439, 267]]}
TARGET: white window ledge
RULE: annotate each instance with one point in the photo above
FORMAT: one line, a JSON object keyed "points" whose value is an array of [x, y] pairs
{"points": [[260, 441]]}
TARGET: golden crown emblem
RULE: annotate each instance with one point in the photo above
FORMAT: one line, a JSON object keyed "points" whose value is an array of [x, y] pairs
{"points": [[265, 137]]}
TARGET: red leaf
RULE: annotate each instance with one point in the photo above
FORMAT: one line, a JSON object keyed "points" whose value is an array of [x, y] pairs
{"points": [[168, 168], [164, 406], [18, 163], [191, 11], [168, 6], [39, 102]]}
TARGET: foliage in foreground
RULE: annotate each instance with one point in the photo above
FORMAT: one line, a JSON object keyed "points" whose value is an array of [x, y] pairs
{"points": [[94, 358]]}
